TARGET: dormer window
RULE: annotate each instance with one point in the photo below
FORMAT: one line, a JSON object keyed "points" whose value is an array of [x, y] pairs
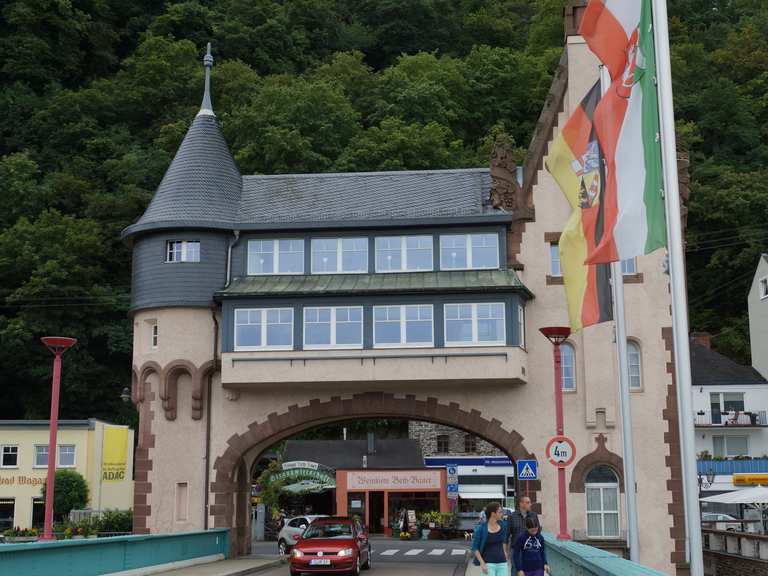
{"points": [[182, 251], [339, 255], [469, 251], [403, 253]]}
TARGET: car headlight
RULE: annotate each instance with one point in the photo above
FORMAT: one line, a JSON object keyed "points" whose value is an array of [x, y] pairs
{"points": [[297, 553], [345, 552]]}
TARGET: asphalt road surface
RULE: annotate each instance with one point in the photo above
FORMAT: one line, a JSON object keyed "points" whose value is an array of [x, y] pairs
{"points": [[398, 558]]}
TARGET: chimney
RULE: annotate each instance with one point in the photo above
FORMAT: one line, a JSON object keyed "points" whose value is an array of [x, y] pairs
{"points": [[573, 13], [702, 338], [371, 444]]}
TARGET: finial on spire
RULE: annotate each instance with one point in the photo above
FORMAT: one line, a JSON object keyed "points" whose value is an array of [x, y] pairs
{"points": [[206, 108]]}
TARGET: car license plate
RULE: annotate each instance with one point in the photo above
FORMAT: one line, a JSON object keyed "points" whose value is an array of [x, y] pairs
{"points": [[320, 562]]}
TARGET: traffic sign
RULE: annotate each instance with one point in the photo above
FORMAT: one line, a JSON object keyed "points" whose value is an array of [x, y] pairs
{"points": [[527, 470], [561, 451], [453, 488], [452, 471]]}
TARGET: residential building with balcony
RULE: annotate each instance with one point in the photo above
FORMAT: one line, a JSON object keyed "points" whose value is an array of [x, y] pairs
{"points": [[757, 306], [730, 401]]}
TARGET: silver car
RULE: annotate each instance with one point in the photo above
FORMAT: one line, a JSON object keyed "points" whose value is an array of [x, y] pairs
{"points": [[292, 531], [716, 521]]}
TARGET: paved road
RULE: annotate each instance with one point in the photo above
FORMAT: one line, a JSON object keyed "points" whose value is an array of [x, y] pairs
{"points": [[390, 551], [396, 569]]}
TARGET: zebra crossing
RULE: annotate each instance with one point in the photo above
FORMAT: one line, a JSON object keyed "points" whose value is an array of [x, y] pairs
{"points": [[421, 551]]}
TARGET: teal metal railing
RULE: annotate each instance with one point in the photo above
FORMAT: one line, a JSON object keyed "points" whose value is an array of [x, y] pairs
{"points": [[569, 558], [104, 555]]}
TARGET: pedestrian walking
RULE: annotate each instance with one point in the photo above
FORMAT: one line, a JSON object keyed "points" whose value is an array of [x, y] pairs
{"points": [[518, 517], [490, 547], [529, 553]]}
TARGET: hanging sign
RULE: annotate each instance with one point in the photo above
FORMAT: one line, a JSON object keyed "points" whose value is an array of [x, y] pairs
{"points": [[561, 451], [114, 453]]}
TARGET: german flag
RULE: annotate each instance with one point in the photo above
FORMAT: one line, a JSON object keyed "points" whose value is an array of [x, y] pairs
{"points": [[576, 162]]}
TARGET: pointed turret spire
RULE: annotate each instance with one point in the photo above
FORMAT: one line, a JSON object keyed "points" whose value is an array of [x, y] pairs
{"points": [[206, 108]]}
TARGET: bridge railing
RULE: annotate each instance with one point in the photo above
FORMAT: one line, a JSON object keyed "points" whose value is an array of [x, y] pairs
{"points": [[120, 553], [745, 544], [576, 559]]}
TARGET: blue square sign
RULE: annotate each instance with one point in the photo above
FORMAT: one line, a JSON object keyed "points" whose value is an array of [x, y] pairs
{"points": [[527, 470]]}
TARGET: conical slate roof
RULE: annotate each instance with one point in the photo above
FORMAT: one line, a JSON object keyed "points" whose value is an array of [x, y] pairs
{"points": [[202, 186]]}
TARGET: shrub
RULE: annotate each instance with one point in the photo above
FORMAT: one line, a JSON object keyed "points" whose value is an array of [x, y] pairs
{"points": [[70, 492], [115, 521]]}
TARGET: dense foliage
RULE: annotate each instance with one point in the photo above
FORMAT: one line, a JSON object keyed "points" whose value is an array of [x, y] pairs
{"points": [[96, 96], [70, 492]]}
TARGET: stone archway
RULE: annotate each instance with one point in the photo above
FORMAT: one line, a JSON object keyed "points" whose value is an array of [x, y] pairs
{"points": [[228, 480]]}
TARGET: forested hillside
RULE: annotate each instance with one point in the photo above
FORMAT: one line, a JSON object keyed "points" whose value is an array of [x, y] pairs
{"points": [[96, 95]]}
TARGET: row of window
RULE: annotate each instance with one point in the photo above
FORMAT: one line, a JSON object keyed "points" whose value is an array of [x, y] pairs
{"points": [[568, 366], [9, 456], [628, 267], [409, 325], [350, 255]]}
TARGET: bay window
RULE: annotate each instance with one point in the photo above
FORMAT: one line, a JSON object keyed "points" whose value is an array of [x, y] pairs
{"points": [[333, 327], [264, 329], [403, 326], [475, 324]]}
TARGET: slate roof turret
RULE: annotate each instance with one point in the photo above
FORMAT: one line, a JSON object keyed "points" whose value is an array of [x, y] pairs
{"points": [[202, 186]]}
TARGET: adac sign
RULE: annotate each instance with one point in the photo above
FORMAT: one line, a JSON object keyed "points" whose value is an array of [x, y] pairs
{"points": [[750, 479], [114, 454]]}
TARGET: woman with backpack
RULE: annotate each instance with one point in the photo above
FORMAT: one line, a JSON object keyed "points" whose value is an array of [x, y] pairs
{"points": [[490, 550]]}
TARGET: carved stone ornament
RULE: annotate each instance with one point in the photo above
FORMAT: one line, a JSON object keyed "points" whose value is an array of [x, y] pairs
{"points": [[505, 191]]}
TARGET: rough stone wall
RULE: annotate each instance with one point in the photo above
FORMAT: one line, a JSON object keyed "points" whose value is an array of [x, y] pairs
{"points": [[726, 565], [427, 432]]}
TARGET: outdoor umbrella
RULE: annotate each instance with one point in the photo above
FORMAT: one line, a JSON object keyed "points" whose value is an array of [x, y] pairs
{"points": [[756, 497]]}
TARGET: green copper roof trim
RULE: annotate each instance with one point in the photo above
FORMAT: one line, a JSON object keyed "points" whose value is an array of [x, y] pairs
{"points": [[401, 283]]}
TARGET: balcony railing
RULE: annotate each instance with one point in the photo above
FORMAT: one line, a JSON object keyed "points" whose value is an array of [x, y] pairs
{"points": [[730, 467], [736, 543], [742, 419]]}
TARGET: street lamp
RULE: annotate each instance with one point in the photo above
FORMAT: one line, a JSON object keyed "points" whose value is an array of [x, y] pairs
{"points": [[125, 395], [57, 345], [557, 335], [709, 476]]}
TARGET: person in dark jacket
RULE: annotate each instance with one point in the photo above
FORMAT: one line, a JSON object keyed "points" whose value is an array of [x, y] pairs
{"points": [[490, 548], [530, 553], [517, 519]]}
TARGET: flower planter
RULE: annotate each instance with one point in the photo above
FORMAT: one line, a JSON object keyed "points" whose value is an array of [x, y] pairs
{"points": [[78, 537], [93, 537], [20, 539]]}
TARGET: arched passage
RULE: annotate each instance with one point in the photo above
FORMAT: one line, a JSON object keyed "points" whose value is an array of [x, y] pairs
{"points": [[228, 507]]}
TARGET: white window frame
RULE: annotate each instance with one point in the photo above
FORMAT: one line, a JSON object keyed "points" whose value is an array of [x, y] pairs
{"points": [[2, 456], [184, 253], [603, 486], [275, 257], [726, 452], [263, 325], [634, 344], [762, 285], [58, 456], [468, 249], [333, 322], [562, 373], [154, 336], [403, 325], [404, 254], [521, 324], [554, 250], [629, 267], [34, 456], [474, 342], [339, 255]]}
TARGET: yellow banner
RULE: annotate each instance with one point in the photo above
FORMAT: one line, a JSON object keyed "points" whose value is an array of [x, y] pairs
{"points": [[745, 479], [114, 454]]}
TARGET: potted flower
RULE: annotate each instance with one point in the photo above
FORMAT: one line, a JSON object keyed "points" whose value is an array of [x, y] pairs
{"points": [[19, 535], [68, 533]]}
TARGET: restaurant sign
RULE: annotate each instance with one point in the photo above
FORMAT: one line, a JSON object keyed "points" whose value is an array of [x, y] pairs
{"points": [[394, 480]]}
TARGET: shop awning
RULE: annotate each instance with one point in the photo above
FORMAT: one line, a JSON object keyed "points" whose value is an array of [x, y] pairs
{"points": [[481, 496]]}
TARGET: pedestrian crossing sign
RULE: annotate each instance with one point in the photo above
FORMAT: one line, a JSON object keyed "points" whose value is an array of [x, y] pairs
{"points": [[527, 470]]}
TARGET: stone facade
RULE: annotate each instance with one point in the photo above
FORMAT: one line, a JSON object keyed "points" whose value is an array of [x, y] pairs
{"points": [[458, 442]]}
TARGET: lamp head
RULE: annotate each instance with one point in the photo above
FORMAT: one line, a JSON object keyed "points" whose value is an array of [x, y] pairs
{"points": [[125, 395], [58, 344], [556, 334]]}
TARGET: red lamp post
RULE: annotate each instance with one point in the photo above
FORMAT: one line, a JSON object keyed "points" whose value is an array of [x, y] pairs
{"points": [[557, 335], [57, 345]]}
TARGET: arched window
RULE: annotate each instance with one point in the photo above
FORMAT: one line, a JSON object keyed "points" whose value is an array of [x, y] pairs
{"points": [[602, 489], [568, 367], [635, 372]]}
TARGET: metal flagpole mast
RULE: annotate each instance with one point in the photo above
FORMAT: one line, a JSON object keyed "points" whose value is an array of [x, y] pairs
{"points": [[625, 408], [677, 287]]}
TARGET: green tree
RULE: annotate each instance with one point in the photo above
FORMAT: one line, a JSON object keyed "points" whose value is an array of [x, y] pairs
{"points": [[70, 492]]}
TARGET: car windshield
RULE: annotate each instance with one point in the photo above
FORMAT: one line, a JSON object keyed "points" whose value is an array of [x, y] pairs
{"points": [[328, 530]]}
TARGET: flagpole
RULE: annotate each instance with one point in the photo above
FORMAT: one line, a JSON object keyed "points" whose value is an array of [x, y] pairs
{"points": [[677, 287], [625, 406]]}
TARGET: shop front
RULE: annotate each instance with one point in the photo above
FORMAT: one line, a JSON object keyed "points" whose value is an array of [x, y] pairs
{"points": [[379, 496]]}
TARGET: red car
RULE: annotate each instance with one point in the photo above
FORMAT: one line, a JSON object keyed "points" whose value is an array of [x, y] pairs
{"points": [[332, 545]]}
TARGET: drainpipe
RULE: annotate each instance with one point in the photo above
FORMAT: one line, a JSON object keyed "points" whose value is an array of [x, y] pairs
{"points": [[208, 410], [232, 242]]}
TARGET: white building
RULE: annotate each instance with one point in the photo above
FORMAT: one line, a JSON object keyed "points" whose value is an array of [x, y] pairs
{"points": [[757, 303]]}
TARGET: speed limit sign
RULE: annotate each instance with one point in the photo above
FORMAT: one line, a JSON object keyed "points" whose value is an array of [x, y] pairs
{"points": [[561, 451]]}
